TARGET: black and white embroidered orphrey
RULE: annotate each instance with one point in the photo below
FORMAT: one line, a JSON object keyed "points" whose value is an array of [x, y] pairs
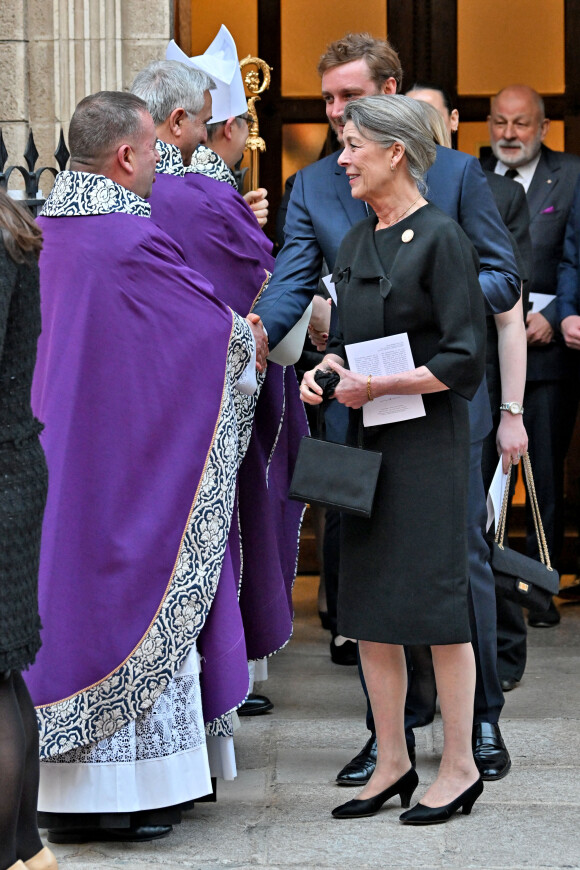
{"points": [[130, 691], [206, 162], [171, 162], [82, 194]]}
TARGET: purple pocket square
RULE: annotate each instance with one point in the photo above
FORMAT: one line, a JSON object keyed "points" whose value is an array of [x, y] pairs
{"points": [[548, 210]]}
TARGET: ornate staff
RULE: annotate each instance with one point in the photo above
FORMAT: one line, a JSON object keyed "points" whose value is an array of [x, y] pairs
{"points": [[254, 142]]}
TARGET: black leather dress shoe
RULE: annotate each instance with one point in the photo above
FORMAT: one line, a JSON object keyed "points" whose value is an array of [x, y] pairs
{"points": [[508, 684], [255, 705], [344, 653], [359, 770], [489, 751], [545, 618], [135, 834]]}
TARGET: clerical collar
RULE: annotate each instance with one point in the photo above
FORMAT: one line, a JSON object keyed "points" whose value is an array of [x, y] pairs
{"points": [[77, 194], [171, 162], [525, 172], [207, 162]]}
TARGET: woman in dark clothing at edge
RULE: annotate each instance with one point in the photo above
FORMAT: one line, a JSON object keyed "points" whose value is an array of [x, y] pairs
{"points": [[23, 485], [408, 268]]}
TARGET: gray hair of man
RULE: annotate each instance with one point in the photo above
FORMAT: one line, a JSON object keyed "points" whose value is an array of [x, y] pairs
{"points": [[166, 85], [391, 118], [100, 122]]}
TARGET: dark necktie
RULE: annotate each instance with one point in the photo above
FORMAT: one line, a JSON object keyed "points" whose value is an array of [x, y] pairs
{"points": [[512, 173]]}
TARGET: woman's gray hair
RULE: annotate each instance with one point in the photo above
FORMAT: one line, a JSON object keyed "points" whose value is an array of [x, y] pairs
{"points": [[166, 85], [387, 119]]}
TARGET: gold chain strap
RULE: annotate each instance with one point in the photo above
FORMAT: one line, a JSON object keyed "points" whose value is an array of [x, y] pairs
{"points": [[501, 522], [500, 527], [542, 544]]}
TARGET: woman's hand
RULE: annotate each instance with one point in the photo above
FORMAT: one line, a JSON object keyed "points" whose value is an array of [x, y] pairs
{"points": [[310, 392], [352, 389], [511, 439]]}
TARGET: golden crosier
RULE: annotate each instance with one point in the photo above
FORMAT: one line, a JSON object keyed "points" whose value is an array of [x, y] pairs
{"points": [[254, 142]]}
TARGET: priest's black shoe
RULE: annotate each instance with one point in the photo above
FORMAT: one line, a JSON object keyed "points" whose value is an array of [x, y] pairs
{"points": [[359, 809], [422, 815], [359, 770], [255, 705], [489, 751], [134, 834], [544, 618]]}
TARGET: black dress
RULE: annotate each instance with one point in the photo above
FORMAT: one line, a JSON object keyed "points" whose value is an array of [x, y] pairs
{"points": [[403, 573], [23, 474]]}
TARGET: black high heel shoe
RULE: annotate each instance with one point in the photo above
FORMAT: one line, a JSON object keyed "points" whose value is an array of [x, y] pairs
{"points": [[422, 815], [358, 809]]}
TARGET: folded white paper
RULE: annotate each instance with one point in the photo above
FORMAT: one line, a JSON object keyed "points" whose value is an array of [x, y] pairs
{"points": [[327, 281], [495, 496], [385, 356], [539, 301]]}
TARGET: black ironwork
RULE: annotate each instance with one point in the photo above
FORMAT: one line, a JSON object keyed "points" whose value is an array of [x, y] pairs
{"points": [[30, 174]]}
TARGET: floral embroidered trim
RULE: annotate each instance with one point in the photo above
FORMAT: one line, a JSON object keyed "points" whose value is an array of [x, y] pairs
{"points": [[207, 162], [76, 194], [262, 288], [102, 709], [171, 162]]}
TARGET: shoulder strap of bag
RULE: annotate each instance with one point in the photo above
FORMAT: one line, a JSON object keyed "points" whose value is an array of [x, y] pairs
{"points": [[501, 520], [501, 523], [542, 544]]}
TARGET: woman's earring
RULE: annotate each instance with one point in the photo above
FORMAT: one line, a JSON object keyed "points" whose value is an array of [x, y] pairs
{"points": [[393, 167]]}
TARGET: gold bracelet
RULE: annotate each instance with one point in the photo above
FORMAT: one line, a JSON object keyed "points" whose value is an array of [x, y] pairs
{"points": [[371, 397]]}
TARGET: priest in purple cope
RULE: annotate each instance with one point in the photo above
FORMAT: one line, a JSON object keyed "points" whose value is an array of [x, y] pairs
{"points": [[196, 201], [135, 381]]}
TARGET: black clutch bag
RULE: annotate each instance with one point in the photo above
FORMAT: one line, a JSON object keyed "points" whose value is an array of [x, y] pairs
{"points": [[334, 475], [517, 577]]}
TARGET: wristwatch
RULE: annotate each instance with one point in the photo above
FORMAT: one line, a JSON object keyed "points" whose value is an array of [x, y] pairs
{"points": [[513, 407]]}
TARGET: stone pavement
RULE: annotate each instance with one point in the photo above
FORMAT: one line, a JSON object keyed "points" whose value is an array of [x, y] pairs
{"points": [[277, 813]]}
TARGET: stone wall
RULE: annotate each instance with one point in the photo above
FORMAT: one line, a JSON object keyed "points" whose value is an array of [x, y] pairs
{"points": [[55, 52]]}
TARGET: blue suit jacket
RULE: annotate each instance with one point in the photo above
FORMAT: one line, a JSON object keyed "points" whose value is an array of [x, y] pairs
{"points": [[322, 210], [568, 293]]}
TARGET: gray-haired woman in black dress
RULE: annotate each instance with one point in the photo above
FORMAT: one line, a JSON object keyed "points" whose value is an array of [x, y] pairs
{"points": [[403, 574], [23, 484]]}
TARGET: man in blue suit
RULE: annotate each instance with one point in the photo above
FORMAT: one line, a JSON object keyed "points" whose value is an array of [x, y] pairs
{"points": [[320, 212]]}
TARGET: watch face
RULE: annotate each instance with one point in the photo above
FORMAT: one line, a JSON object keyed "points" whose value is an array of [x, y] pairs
{"points": [[515, 408]]}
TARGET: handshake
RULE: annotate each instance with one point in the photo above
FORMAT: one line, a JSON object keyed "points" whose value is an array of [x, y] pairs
{"points": [[261, 339]]}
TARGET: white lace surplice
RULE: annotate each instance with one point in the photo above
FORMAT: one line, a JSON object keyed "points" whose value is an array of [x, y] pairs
{"points": [[158, 760]]}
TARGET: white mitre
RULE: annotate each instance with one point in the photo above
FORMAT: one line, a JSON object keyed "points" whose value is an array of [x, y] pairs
{"points": [[220, 61]]}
